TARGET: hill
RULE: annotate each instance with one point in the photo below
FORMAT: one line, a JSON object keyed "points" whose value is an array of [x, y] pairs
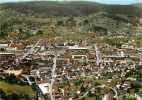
{"points": [[53, 8], [70, 17], [138, 5]]}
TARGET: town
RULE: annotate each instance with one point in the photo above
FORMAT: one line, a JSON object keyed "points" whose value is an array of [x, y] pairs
{"points": [[74, 70], [70, 50]]}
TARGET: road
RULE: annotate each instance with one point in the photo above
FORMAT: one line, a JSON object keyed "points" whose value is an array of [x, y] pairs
{"points": [[53, 76]]}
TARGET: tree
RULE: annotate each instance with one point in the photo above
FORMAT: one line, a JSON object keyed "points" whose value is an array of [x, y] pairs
{"points": [[39, 32], [2, 94], [14, 96], [11, 79]]}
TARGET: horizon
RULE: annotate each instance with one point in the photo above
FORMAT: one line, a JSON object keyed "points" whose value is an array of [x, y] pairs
{"points": [[121, 2]]}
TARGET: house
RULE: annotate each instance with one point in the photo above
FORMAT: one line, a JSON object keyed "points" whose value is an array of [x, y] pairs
{"points": [[127, 46], [108, 97], [15, 72], [6, 57], [3, 46], [16, 46], [79, 57], [76, 47], [44, 88]]}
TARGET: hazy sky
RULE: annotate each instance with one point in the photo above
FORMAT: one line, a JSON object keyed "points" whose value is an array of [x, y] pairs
{"points": [[101, 1]]}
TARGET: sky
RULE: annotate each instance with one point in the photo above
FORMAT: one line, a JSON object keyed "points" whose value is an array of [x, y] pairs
{"points": [[123, 2]]}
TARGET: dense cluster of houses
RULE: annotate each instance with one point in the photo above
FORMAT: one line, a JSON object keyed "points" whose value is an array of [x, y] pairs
{"points": [[72, 61]]}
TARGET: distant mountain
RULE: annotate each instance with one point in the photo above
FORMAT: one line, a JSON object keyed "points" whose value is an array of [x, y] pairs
{"points": [[53, 8], [138, 5], [78, 17]]}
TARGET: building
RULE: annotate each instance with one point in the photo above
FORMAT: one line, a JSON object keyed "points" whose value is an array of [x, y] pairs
{"points": [[3, 46], [44, 88]]}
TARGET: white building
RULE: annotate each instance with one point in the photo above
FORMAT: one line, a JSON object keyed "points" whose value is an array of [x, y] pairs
{"points": [[44, 87]]}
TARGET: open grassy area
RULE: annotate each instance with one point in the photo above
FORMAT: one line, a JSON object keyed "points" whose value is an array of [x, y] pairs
{"points": [[17, 89]]}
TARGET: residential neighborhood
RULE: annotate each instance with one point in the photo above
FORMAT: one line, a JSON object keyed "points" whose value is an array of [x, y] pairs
{"points": [[70, 50], [73, 71]]}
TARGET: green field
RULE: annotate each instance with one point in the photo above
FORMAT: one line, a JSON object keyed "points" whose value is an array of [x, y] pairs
{"points": [[17, 89]]}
